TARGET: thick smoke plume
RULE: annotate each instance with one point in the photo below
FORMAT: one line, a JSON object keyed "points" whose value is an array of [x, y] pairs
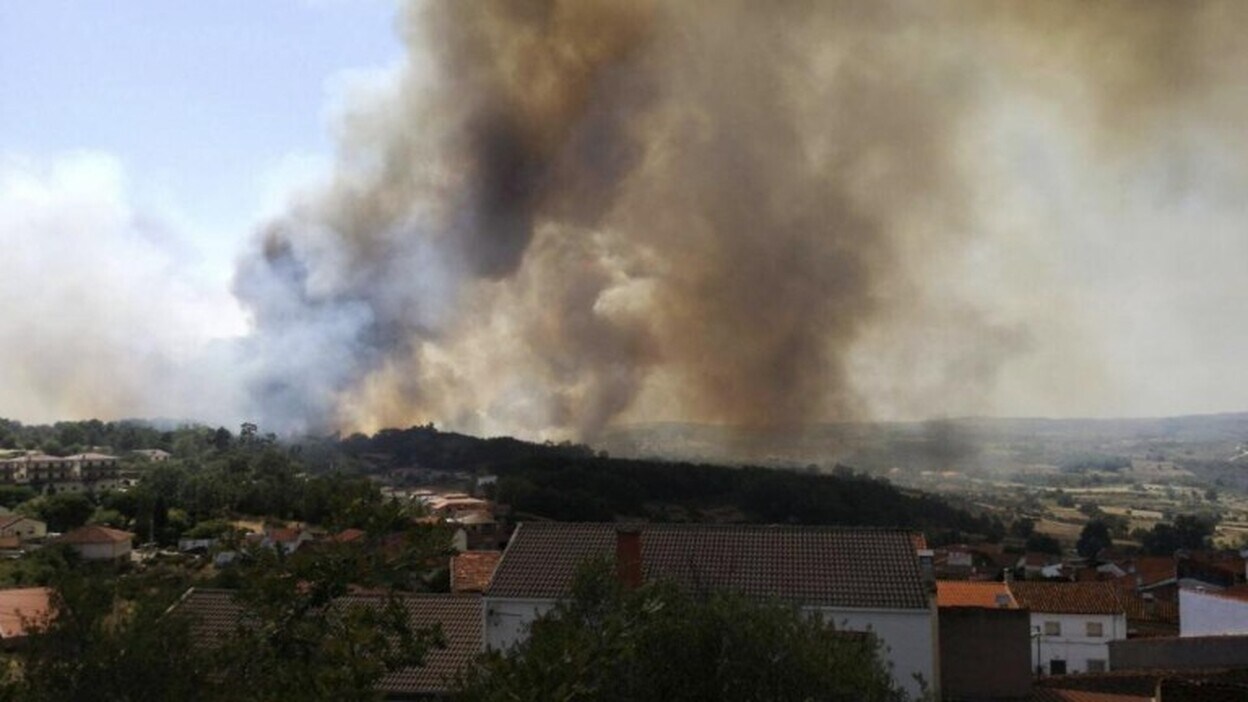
{"points": [[572, 212]]}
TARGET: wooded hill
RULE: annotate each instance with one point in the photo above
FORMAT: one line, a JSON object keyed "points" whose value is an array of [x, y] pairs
{"points": [[571, 482]]}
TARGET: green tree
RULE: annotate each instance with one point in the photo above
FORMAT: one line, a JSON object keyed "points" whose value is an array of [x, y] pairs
{"points": [[306, 642], [62, 512], [1094, 537], [662, 643], [1186, 532], [99, 649], [1043, 543]]}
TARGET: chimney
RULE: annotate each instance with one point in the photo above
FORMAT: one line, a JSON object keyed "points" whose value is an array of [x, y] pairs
{"points": [[926, 568], [628, 556]]}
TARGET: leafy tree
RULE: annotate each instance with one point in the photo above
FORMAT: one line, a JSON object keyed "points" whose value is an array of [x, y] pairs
{"points": [[95, 649], [13, 495], [661, 643], [1043, 543], [62, 512], [1186, 532], [304, 642], [1094, 537], [1023, 527], [116, 639]]}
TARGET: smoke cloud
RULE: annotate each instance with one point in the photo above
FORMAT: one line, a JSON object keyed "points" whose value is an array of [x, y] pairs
{"points": [[570, 213], [101, 311]]}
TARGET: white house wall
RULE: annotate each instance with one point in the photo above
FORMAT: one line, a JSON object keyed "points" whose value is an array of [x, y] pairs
{"points": [[909, 638], [1207, 614], [1073, 645], [507, 620]]}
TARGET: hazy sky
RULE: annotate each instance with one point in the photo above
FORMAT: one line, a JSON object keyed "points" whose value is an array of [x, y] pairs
{"points": [[1105, 270], [140, 143]]}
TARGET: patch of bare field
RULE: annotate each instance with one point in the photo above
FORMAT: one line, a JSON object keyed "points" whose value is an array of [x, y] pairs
{"points": [[1134, 512], [1060, 530]]}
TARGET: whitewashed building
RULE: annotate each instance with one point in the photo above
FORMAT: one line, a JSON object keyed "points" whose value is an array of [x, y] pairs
{"points": [[99, 543], [861, 579], [1205, 612], [1072, 624]]}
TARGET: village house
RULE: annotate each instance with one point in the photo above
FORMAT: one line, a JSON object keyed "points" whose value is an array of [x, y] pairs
{"points": [[22, 528], [1071, 624], [860, 579], [98, 543], [153, 455], [985, 642], [1213, 612], [286, 539]]}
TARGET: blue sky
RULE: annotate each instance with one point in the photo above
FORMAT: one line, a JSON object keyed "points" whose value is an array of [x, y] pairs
{"points": [[204, 104]]}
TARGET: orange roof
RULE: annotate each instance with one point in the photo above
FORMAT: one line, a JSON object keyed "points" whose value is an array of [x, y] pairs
{"points": [[920, 541], [1068, 598], [95, 534], [283, 535], [990, 595], [472, 571], [21, 607], [348, 536], [1153, 569]]}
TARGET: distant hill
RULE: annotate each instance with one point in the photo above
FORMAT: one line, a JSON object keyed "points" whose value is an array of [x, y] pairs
{"points": [[1204, 444]]}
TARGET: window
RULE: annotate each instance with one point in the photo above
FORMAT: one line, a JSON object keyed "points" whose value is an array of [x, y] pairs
{"points": [[1057, 666], [1053, 629], [1096, 665], [1095, 629]]}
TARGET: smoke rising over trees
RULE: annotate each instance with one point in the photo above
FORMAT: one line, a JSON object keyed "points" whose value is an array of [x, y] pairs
{"points": [[568, 213]]}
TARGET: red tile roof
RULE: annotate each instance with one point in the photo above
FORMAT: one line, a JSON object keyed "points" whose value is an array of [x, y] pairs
{"points": [[1153, 569], [472, 571], [1156, 611], [1238, 592], [1068, 598], [1056, 695], [283, 535], [814, 566], [347, 536], [990, 595], [215, 614], [20, 608], [95, 534], [9, 520]]}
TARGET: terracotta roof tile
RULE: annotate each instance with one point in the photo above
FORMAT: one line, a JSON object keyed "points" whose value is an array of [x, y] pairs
{"points": [[989, 595], [95, 534], [215, 614], [20, 607], [1056, 695], [1238, 592], [472, 571], [1068, 598], [816, 566]]}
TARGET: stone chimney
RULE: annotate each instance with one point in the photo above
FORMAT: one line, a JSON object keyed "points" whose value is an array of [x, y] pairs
{"points": [[628, 556]]}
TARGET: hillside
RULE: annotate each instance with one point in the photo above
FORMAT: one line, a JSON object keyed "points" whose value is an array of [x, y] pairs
{"points": [[571, 482]]}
